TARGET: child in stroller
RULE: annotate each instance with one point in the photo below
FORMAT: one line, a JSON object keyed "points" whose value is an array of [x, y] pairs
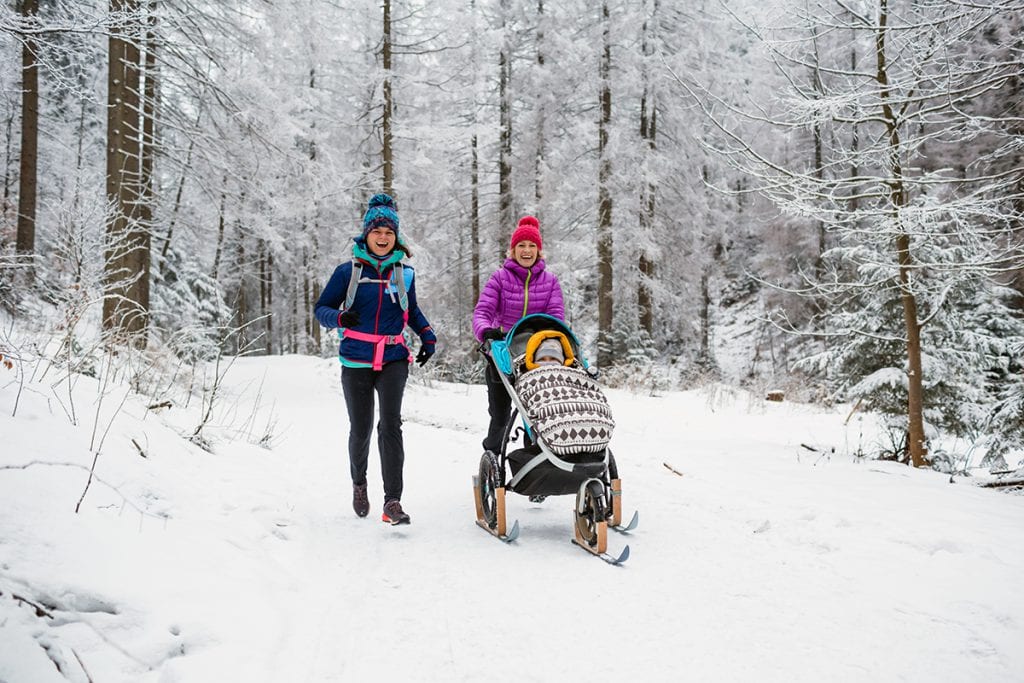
{"points": [[567, 424], [549, 352]]}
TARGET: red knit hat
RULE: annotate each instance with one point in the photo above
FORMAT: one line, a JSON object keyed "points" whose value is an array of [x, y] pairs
{"points": [[528, 229]]}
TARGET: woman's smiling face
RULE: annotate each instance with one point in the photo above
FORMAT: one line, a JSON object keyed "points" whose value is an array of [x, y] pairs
{"points": [[380, 241], [525, 253]]}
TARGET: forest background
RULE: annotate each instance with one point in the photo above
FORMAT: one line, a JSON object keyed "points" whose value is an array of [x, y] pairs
{"points": [[824, 199]]}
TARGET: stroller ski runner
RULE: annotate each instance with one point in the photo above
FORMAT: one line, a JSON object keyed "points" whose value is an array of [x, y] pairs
{"points": [[566, 425]]}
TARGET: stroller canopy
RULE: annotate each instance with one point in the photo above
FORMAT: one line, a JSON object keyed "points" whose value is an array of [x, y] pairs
{"points": [[517, 338]]}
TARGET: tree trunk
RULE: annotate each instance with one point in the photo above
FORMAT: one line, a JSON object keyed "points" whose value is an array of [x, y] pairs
{"points": [[704, 355], [294, 331], [307, 302], [241, 299], [505, 217], [26, 236], [126, 271], [114, 258], [72, 239], [147, 156], [386, 152], [181, 188], [819, 173], [538, 162], [313, 291], [221, 221], [474, 219], [854, 140], [312, 287], [898, 199], [7, 166], [137, 256], [268, 311], [605, 291], [648, 134], [114, 255], [819, 165], [266, 268], [317, 339]]}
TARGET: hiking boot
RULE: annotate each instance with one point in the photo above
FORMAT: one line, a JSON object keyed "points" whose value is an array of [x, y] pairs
{"points": [[360, 501], [393, 513]]}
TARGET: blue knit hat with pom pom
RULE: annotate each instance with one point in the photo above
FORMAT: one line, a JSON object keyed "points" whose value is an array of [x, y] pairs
{"points": [[380, 214]]}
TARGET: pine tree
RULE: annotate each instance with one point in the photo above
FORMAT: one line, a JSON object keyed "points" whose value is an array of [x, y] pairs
{"points": [[910, 240]]}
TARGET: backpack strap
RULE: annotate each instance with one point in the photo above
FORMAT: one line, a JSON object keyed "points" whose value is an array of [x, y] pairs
{"points": [[403, 294], [398, 276], [353, 283]]}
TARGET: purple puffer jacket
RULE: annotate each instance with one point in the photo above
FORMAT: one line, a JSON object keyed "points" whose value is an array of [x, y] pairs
{"points": [[514, 291]]}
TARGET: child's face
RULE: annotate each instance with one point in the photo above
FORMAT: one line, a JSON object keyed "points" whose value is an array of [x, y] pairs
{"points": [[548, 360]]}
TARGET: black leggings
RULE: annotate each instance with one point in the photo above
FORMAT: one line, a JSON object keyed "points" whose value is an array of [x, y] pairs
{"points": [[359, 385], [499, 406]]}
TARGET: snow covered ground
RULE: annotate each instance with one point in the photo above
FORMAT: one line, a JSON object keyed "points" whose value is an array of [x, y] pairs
{"points": [[757, 559]]}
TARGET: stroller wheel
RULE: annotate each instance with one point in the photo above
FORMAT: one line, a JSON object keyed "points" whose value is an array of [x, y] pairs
{"points": [[610, 499], [613, 469], [490, 482], [590, 510]]}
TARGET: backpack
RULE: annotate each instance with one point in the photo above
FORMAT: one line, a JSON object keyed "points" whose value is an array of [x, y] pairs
{"points": [[356, 278]]}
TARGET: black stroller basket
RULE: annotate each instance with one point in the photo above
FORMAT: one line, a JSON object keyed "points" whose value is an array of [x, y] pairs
{"points": [[546, 479]]}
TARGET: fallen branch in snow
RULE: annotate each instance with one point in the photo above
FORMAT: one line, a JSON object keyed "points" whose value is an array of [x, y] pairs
{"points": [[822, 453], [88, 482], [1000, 483], [1004, 479], [671, 469], [82, 664], [40, 610]]}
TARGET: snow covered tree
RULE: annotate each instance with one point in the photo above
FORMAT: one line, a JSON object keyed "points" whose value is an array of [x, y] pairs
{"points": [[910, 240], [1007, 420]]}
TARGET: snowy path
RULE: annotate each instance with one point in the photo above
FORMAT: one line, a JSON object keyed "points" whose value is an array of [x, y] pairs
{"points": [[757, 564]]}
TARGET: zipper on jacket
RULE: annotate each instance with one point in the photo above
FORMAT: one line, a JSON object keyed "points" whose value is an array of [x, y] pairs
{"points": [[380, 301], [526, 292]]}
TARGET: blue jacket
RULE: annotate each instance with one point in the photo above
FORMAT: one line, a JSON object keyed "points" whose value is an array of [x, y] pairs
{"points": [[377, 305]]}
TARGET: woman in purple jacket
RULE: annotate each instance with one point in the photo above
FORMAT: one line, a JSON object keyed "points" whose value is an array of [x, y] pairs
{"points": [[520, 287]]}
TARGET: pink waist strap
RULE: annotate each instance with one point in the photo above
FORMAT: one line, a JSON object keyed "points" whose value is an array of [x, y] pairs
{"points": [[379, 341]]}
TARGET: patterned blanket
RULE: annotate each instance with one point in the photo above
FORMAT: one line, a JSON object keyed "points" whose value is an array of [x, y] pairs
{"points": [[567, 408]]}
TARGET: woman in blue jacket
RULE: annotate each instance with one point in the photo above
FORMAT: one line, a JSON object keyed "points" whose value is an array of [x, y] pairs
{"points": [[371, 310]]}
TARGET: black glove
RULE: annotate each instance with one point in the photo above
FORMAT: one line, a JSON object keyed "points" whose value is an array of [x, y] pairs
{"points": [[348, 319], [492, 333], [426, 351]]}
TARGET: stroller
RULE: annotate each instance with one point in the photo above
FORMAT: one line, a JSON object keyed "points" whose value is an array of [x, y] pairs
{"points": [[566, 424]]}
